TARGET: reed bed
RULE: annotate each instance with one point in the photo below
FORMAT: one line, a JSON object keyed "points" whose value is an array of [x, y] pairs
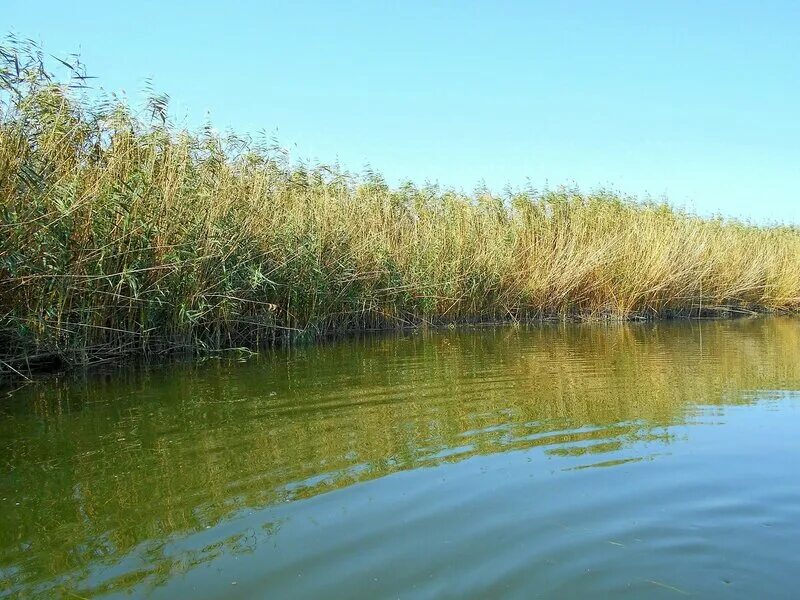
{"points": [[121, 233]]}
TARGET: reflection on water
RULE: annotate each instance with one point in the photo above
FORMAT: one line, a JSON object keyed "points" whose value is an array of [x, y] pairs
{"points": [[500, 461]]}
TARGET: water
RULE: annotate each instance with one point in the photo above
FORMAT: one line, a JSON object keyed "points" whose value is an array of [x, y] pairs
{"points": [[651, 461]]}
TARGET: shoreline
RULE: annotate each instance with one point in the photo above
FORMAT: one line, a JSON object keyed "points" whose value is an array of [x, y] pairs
{"points": [[30, 368]]}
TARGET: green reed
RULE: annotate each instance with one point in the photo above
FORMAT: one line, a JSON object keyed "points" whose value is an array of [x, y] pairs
{"points": [[121, 233]]}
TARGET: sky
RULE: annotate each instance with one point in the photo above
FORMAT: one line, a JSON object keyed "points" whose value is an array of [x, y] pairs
{"points": [[693, 101]]}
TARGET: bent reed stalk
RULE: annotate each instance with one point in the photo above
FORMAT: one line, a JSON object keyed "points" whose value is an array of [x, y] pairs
{"points": [[123, 234]]}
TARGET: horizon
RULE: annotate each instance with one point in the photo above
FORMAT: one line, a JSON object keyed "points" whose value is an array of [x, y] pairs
{"points": [[713, 133]]}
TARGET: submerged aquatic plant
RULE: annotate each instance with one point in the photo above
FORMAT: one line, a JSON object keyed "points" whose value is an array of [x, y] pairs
{"points": [[122, 233]]}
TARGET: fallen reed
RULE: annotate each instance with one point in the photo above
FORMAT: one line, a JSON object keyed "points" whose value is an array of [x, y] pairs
{"points": [[122, 234]]}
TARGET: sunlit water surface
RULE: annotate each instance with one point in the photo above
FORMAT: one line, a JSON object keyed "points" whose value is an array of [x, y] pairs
{"points": [[646, 460]]}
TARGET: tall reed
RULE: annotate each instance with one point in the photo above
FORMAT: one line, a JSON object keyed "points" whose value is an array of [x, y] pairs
{"points": [[121, 233]]}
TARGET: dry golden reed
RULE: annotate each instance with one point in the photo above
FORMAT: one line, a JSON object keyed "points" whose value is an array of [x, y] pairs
{"points": [[120, 233]]}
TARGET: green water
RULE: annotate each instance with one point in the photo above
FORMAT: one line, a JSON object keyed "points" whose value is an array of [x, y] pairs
{"points": [[632, 461]]}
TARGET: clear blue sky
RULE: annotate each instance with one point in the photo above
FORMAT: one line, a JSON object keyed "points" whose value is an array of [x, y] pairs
{"points": [[697, 101]]}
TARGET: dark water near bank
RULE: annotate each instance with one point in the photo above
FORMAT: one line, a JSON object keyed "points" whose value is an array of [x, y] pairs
{"points": [[651, 461]]}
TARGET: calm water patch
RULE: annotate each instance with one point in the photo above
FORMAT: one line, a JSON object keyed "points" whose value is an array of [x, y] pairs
{"points": [[631, 460]]}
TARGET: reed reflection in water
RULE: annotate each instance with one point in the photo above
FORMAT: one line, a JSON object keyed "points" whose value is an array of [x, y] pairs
{"points": [[150, 479]]}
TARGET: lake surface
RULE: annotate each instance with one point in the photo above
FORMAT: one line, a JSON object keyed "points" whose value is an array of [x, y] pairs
{"points": [[627, 460]]}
